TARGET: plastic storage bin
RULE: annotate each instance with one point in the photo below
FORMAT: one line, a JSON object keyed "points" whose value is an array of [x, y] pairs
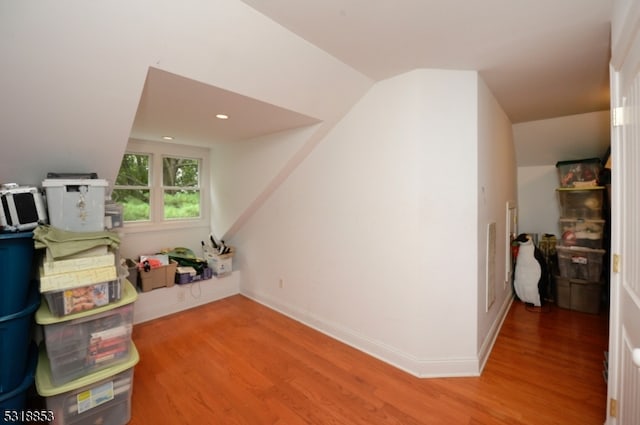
{"points": [[76, 300], [581, 203], [220, 265], [101, 398], [582, 232], [132, 269], [579, 295], [184, 275], [76, 204], [580, 263], [15, 400], [16, 251], [114, 215], [15, 335], [84, 343], [579, 173]]}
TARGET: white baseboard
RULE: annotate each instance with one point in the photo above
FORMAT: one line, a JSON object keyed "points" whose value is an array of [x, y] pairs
{"points": [[164, 301], [489, 341], [422, 368]]}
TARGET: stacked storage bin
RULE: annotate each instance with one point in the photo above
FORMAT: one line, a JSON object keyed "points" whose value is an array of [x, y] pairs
{"points": [[85, 365], [580, 253], [19, 300]]}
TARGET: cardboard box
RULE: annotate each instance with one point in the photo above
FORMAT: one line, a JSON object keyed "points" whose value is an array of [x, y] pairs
{"points": [[159, 277]]}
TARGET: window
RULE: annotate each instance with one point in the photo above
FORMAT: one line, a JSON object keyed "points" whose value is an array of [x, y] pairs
{"points": [[133, 187], [181, 187], [162, 183]]}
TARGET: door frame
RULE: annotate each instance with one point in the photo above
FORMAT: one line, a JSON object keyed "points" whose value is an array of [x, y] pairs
{"points": [[625, 36]]}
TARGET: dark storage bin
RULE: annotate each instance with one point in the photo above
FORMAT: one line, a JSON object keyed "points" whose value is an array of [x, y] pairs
{"points": [[580, 263], [579, 173], [579, 295]]}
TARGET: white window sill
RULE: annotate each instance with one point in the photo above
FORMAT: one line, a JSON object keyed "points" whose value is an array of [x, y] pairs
{"points": [[130, 228]]}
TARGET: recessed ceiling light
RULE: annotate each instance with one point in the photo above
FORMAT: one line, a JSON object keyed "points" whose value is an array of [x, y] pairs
{"points": [[222, 116], [167, 137]]}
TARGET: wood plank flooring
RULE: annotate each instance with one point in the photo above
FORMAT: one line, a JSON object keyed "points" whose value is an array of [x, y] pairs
{"points": [[235, 361]]}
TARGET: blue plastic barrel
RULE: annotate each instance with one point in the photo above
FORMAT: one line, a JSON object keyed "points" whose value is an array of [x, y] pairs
{"points": [[16, 253], [15, 336], [16, 399]]}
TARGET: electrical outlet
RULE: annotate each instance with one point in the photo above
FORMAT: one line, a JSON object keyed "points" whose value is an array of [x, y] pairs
{"points": [[281, 283]]}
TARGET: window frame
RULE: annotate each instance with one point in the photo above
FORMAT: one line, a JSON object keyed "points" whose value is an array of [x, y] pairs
{"points": [[156, 152]]}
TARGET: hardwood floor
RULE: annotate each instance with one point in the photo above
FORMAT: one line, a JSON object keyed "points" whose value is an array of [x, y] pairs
{"points": [[235, 361]]}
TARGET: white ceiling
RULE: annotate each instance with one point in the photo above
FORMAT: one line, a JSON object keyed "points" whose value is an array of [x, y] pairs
{"points": [[540, 58], [182, 108]]}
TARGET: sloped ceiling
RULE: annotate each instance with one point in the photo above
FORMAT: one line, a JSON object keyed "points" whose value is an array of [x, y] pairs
{"points": [[541, 59]]}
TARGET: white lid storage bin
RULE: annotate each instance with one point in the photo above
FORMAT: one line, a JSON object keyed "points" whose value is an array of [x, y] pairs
{"points": [[76, 204]]}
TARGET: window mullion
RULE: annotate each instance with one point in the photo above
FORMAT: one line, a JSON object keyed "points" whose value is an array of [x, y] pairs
{"points": [[157, 191]]}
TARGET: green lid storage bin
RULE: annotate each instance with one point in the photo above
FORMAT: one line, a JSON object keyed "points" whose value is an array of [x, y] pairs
{"points": [[102, 397], [86, 342]]}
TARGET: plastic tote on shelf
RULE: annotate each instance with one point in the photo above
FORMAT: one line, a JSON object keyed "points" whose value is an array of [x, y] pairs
{"points": [[15, 336], [102, 397], [16, 251]]}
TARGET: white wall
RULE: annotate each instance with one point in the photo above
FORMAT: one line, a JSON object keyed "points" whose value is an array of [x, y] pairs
{"points": [[538, 207], [374, 236], [496, 186], [245, 173]]}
